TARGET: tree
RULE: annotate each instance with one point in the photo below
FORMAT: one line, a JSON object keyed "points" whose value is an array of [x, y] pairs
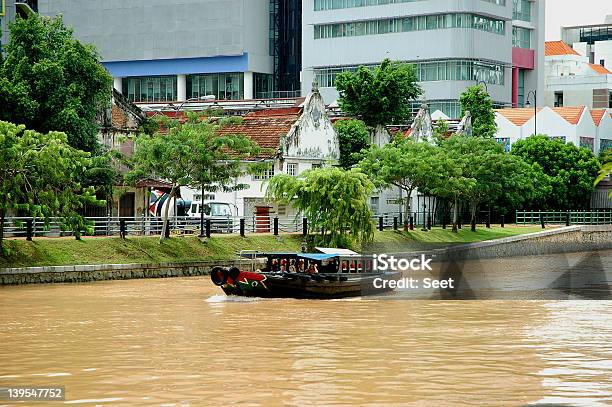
{"points": [[571, 170], [478, 102], [49, 81], [39, 175], [403, 163], [335, 202], [354, 137], [190, 154], [380, 96], [478, 171]]}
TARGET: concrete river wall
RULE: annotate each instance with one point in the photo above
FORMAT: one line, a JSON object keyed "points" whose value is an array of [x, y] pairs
{"points": [[567, 239]]}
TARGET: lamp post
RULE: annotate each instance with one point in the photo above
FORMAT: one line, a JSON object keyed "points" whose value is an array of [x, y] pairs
{"points": [[485, 85], [535, 109]]}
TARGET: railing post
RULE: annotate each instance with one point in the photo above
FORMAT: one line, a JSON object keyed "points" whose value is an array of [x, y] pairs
{"points": [[503, 219], [242, 227], [411, 222], [542, 222], [428, 222], [381, 225], [29, 228], [122, 229], [275, 226], [208, 228], [567, 218], [459, 225], [489, 220], [395, 223], [304, 226]]}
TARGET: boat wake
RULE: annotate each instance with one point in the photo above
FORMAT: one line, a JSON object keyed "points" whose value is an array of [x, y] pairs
{"points": [[220, 298]]}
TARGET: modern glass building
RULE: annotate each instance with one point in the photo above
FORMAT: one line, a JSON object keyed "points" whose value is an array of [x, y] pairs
{"points": [[453, 44], [593, 41], [177, 50]]}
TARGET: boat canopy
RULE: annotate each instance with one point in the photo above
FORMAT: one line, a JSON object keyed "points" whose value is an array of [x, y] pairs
{"points": [[317, 256]]}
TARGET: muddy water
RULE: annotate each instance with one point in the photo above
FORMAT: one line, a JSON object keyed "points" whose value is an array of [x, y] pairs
{"points": [[179, 342]]}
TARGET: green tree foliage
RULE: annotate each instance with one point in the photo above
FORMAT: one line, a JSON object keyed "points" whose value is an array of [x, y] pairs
{"points": [[490, 173], [191, 154], [49, 81], [404, 164], [39, 176], [478, 102], [570, 171], [380, 96], [335, 202], [354, 137]]}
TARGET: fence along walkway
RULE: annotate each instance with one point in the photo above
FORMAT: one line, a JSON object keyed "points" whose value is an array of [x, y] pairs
{"points": [[581, 217]]}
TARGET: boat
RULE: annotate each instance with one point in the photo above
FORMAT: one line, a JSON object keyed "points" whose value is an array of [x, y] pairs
{"points": [[329, 275]]}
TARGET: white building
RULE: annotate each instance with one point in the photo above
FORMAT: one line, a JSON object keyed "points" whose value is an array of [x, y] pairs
{"points": [[571, 80], [300, 138], [589, 128], [454, 44], [592, 41]]}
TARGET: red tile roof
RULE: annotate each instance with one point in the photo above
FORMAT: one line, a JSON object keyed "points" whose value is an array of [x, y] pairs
{"points": [[518, 116], [558, 48], [571, 114], [600, 69], [597, 115], [266, 127]]}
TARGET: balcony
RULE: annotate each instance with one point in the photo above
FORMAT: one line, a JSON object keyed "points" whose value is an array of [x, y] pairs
{"points": [[26, 8]]}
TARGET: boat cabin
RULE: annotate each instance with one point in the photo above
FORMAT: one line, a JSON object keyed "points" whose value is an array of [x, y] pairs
{"points": [[308, 262]]}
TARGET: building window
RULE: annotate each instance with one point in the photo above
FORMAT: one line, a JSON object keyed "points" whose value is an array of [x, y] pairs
{"points": [[588, 143], [605, 144], [375, 205], [562, 138], [223, 86], [264, 86], [441, 70], [315, 166], [558, 99], [292, 169], [521, 37], [521, 88], [412, 23], [150, 88], [265, 175], [505, 142], [521, 10], [339, 4]]}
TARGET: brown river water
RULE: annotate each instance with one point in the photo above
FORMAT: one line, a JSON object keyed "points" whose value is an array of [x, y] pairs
{"points": [[180, 342]]}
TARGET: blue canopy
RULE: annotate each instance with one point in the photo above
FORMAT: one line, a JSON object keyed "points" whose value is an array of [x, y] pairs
{"points": [[318, 256]]}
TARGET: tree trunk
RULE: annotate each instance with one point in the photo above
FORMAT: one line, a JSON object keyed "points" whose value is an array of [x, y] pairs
{"points": [[473, 220], [455, 216], [165, 227], [1, 232], [407, 210]]}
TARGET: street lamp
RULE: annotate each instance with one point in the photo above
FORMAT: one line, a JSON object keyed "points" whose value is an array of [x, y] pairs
{"points": [[485, 85], [535, 109]]}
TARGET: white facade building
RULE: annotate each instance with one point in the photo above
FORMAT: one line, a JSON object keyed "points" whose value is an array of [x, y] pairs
{"points": [[300, 138], [589, 128], [571, 80], [592, 41], [454, 44]]}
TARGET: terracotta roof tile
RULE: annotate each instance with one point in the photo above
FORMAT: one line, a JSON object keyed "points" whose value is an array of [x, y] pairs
{"points": [[600, 69], [518, 116], [571, 114], [266, 127], [558, 48], [597, 115]]}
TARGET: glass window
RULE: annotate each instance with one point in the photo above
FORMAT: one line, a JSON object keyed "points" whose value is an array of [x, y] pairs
{"points": [[521, 10], [292, 169], [521, 37], [150, 88], [223, 86]]}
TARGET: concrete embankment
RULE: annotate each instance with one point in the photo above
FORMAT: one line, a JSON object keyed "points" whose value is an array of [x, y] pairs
{"points": [[561, 240], [75, 274]]}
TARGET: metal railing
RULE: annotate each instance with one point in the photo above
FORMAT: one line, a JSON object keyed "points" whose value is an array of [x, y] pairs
{"points": [[578, 217]]}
